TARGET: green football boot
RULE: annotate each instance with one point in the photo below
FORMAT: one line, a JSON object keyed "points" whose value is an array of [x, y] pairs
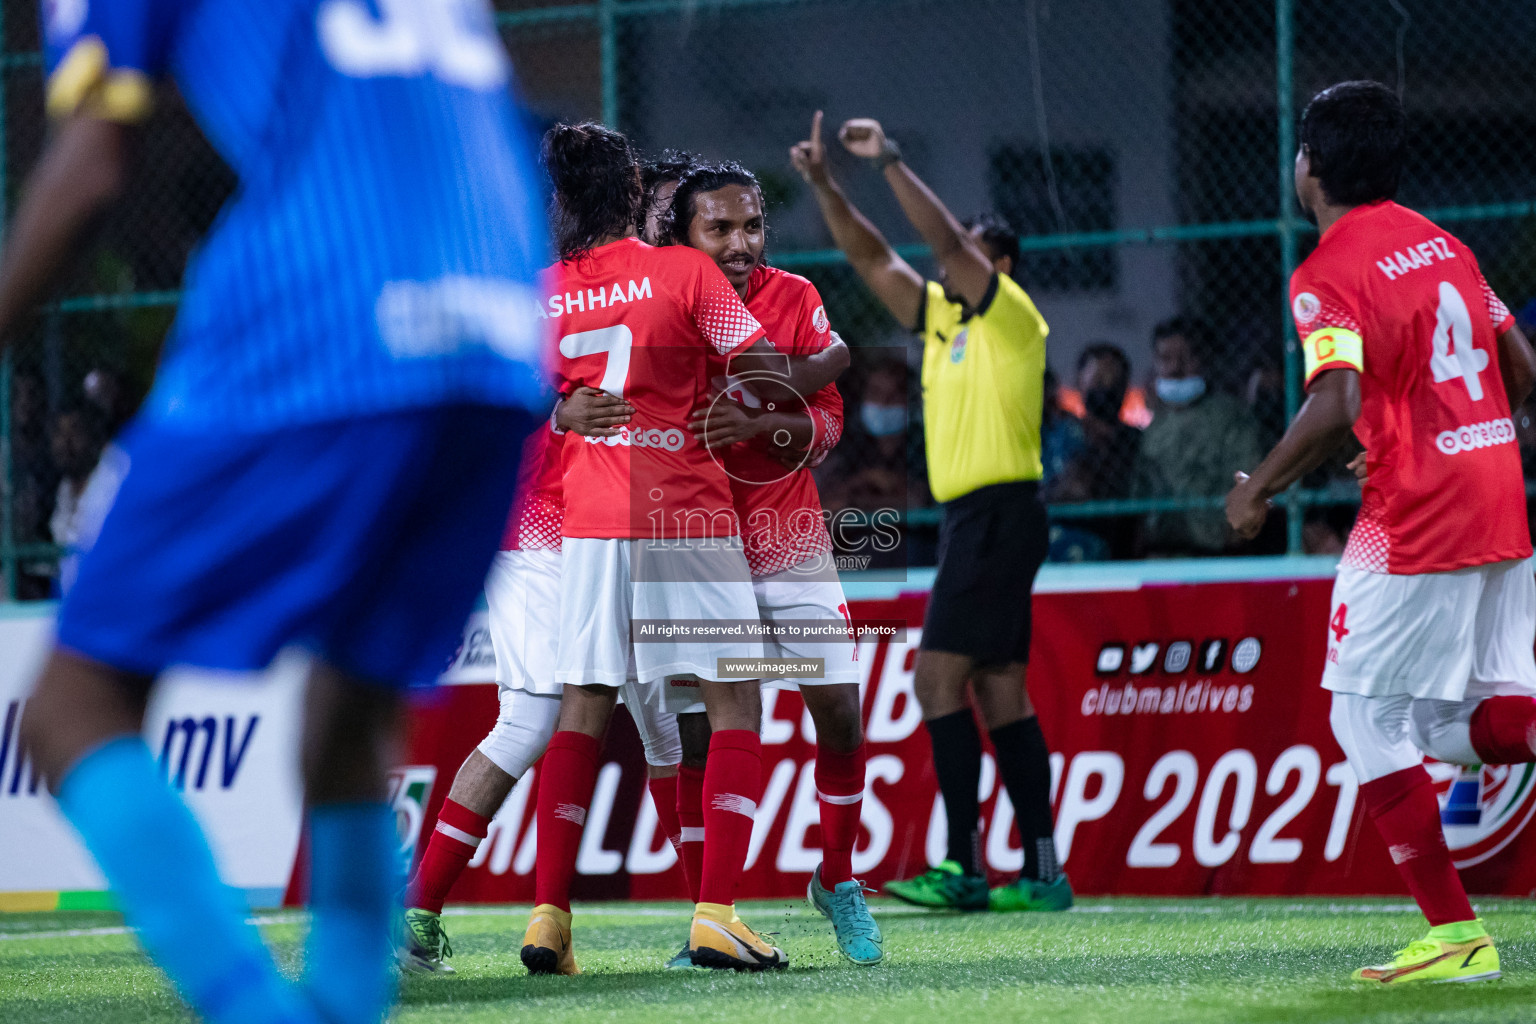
{"points": [[424, 946], [945, 887], [1029, 895]]}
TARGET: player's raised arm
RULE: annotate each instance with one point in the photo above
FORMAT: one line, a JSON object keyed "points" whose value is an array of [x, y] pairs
{"points": [[889, 276], [78, 175], [968, 270], [1320, 426], [1517, 365]]}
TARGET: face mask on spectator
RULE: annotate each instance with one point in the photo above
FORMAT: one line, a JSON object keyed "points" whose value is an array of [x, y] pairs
{"points": [[1180, 390], [883, 420], [1103, 403]]}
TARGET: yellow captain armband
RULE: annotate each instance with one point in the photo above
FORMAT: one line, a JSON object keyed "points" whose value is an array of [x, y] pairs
{"points": [[1332, 347], [85, 82]]}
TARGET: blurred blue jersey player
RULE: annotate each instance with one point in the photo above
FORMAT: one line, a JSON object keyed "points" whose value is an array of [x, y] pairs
{"points": [[329, 452]]}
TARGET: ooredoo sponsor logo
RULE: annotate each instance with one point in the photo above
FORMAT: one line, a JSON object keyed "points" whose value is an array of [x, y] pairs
{"points": [[1476, 435], [668, 440]]}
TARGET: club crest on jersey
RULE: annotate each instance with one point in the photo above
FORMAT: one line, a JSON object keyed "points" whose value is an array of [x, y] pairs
{"points": [[1483, 809], [957, 347], [819, 320], [1305, 308]]}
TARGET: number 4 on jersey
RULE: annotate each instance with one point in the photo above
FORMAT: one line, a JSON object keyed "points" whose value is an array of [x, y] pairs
{"points": [[1453, 353], [1340, 631]]}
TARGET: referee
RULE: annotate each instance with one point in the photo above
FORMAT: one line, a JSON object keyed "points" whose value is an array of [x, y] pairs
{"points": [[983, 365]]}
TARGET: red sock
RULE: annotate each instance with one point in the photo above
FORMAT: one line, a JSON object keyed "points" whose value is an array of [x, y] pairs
{"points": [[664, 797], [566, 779], [840, 791], [1407, 815], [690, 821], [1504, 730], [454, 841], [733, 782]]}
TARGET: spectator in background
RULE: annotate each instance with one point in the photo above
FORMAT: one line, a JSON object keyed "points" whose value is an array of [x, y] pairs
{"points": [[1198, 438], [877, 466], [1105, 466], [1062, 447]]}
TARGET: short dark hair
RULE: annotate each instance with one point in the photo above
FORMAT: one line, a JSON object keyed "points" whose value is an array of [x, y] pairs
{"points": [[1356, 138], [668, 165], [699, 179], [1191, 329], [997, 235], [597, 185], [1105, 350]]}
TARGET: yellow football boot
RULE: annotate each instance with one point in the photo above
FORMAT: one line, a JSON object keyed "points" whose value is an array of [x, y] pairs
{"points": [[547, 942], [1438, 958], [722, 941]]}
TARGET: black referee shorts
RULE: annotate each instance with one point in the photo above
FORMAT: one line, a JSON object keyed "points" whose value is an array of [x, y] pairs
{"points": [[991, 544]]}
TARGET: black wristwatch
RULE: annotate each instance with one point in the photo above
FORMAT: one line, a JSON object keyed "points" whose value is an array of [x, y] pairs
{"points": [[890, 153]]}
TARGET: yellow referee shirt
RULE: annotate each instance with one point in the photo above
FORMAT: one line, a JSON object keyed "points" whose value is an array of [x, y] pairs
{"points": [[983, 389]]}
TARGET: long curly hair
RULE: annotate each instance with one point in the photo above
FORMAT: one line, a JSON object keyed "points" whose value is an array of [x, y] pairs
{"points": [[668, 165], [597, 186]]}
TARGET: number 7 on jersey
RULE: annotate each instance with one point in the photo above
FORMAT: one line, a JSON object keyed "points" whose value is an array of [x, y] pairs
{"points": [[615, 342]]}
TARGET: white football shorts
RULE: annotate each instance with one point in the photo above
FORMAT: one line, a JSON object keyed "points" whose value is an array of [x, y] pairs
{"points": [[1433, 635], [667, 591], [522, 593], [802, 601]]}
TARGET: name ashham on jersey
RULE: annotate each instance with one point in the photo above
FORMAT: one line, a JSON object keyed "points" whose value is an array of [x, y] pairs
{"points": [[590, 299]]}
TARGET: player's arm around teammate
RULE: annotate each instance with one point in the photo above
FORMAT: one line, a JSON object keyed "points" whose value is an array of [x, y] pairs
{"points": [[719, 211], [649, 535], [983, 364]]}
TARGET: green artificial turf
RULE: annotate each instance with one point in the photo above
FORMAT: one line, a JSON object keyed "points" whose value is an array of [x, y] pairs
{"points": [[1111, 961]]}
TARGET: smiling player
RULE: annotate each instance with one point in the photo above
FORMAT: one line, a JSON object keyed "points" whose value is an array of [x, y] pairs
{"points": [[719, 211]]}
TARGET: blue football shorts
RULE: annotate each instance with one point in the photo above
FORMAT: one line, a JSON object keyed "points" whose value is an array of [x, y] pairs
{"points": [[365, 541]]}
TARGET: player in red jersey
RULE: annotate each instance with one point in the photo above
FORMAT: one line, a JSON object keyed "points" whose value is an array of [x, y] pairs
{"points": [[522, 592], [650, 538], [1434, 611], [767, 451]]}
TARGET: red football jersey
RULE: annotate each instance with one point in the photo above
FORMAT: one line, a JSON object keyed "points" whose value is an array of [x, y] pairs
{"points": [[780, 509], [642, 323], [538, 507], [1401, 300]]}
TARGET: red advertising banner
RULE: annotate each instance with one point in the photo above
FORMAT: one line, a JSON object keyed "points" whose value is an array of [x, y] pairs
{"points": [[1192, 757]]}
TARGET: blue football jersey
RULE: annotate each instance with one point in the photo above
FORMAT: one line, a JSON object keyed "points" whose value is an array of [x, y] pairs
{"points": [[382, 247]]}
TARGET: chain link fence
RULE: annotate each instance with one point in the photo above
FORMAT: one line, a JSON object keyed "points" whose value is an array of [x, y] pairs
{"points": [[1141, 147]]}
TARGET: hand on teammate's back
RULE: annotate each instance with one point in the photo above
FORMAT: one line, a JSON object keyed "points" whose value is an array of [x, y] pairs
{"points": [[863, 137], [1357, 467], [724, 422], [593, 413], [809, 156]]}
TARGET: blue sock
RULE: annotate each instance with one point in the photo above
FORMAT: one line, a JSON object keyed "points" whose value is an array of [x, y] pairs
{"points": [[353, 879], [158, 863]]}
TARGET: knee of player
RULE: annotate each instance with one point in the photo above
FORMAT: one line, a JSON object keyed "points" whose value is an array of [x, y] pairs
{"points": [[838, 728]]}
